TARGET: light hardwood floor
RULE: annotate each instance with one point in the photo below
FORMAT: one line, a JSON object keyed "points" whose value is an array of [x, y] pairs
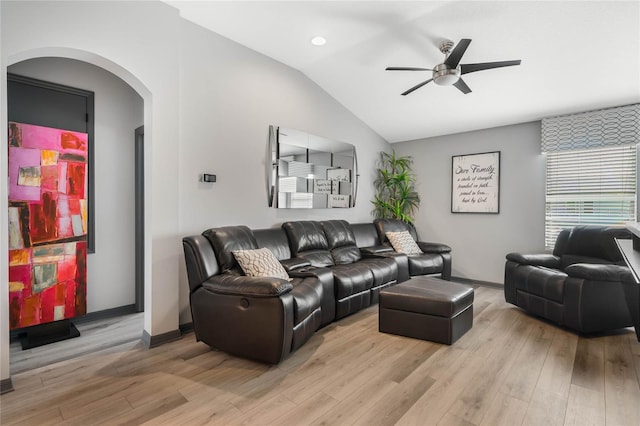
{"points": [[509, 369], [94, 336]]}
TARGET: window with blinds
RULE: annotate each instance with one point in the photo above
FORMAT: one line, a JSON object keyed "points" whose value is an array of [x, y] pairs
{"points": [[589, 187]]}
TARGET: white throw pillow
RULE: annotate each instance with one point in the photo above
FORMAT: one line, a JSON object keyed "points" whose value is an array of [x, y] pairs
{"points": [[260, 263], [403, 242]]}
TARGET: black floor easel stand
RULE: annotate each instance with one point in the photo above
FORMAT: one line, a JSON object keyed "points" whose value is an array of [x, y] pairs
{"points": [[43, 334]]}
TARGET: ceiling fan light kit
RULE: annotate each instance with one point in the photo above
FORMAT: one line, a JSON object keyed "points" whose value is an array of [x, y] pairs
{"points": [[449, 72], [444, 76]]}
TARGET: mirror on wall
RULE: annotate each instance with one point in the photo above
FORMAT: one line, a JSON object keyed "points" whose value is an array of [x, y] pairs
{"points": [[310, 172]]}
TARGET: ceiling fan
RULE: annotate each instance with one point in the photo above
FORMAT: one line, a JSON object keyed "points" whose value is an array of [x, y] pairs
{"points": [[448, 73]]}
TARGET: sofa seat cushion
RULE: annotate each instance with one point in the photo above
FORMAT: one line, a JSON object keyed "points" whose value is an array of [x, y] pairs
{"points": [[351, 279], [425, 264], [345, 254], [384, 269], [571, 259], [317, 258], [307, 295]]}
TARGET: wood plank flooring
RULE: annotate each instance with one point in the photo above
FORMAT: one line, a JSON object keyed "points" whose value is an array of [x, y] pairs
{"points": [[509, 369], [94, 336]]}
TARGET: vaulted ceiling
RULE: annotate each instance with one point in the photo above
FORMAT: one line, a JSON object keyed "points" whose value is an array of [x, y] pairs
{"points": [[576, 56]]}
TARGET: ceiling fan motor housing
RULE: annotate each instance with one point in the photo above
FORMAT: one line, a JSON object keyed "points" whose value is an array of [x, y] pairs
{"points": [[445, 76]]}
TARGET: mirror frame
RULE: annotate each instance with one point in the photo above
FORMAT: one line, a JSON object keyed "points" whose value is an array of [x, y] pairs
{"points": [[315, 145]]}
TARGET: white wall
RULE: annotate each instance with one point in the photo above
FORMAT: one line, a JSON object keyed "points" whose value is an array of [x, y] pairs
{"points": [[208, 103], [138, 42], [229, 95], [481, 241], [118, 112]]}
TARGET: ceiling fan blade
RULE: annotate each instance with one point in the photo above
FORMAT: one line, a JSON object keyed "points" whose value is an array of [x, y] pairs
{"points": [[467, 68], [456, 54], [416, 87], [462, 86], [407, 69]]}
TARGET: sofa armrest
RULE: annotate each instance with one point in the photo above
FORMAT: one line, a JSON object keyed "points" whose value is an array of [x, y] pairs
{"points": [[597, 272], [433, 247], [374, 250], [547, 260], [239, 285], [325, 276], [295, 263]]}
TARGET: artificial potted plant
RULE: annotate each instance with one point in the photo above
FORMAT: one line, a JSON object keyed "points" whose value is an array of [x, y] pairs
{"points": [[396, 196]]}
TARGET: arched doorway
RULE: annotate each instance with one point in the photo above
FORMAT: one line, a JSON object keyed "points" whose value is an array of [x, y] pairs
{"points": [[113, 284]]}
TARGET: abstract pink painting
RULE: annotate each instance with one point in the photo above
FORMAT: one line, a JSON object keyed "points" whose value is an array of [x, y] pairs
{"points": [[47, 224]]}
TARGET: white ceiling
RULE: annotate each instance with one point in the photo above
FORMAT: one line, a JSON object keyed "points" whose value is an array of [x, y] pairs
{"points": [[576, 56]]}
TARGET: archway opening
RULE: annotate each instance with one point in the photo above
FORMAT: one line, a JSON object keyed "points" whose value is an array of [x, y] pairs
{"points": [[120, 110]]}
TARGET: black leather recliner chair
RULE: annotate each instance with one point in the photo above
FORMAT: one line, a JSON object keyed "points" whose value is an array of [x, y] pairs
{"points": [[578, 286]]}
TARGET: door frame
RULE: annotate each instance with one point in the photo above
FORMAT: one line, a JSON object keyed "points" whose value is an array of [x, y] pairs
{"points": [[139, 218]]}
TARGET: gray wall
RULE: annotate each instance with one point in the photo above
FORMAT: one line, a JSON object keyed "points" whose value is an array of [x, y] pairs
{"points": [[481, 241], [229, 95], [118, 111]]}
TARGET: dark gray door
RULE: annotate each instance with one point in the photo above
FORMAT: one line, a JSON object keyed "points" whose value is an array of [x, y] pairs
{"points": [[43, 103]]}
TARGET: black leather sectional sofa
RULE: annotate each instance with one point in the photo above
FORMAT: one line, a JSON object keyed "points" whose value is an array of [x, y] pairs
{"points": [[335, 269]]}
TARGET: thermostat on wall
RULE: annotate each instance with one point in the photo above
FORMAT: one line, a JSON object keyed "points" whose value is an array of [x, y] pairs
{"points": [[208, 178]]}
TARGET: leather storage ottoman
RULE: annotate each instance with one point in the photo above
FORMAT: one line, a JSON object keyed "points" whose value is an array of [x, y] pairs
{"points": [[427, 308]]}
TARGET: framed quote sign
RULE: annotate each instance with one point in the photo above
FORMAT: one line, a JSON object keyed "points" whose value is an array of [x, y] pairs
{"points": [[475, 183]]}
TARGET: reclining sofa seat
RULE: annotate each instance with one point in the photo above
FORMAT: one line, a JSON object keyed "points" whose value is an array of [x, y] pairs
{"points": [[275, 239], [434, 259], [368, 242], [273, 316], [332, 244], [578, 286]]}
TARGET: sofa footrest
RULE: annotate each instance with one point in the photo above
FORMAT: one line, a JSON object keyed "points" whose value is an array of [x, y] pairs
{"points": [[428, 309]]}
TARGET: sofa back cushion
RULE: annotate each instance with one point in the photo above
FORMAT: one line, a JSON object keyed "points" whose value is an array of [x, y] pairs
{"points": [[307, 240], [275, 239], [228, 238], [200, 260], [596, 242], [393, 225], [342, 242], [366, 234], [561, 243]]}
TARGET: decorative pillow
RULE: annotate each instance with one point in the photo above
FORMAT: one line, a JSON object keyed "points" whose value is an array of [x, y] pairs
{"points": [[260, 263], [403, 242]]}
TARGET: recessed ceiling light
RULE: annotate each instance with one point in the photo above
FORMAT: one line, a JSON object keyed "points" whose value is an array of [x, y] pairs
{"points": [[318, 41]]}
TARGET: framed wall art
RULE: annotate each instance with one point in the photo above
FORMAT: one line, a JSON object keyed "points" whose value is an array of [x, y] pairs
{"points": [[475, 183]]}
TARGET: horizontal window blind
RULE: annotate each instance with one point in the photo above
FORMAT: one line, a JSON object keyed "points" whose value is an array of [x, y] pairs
{"points": [[589, 187]]}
